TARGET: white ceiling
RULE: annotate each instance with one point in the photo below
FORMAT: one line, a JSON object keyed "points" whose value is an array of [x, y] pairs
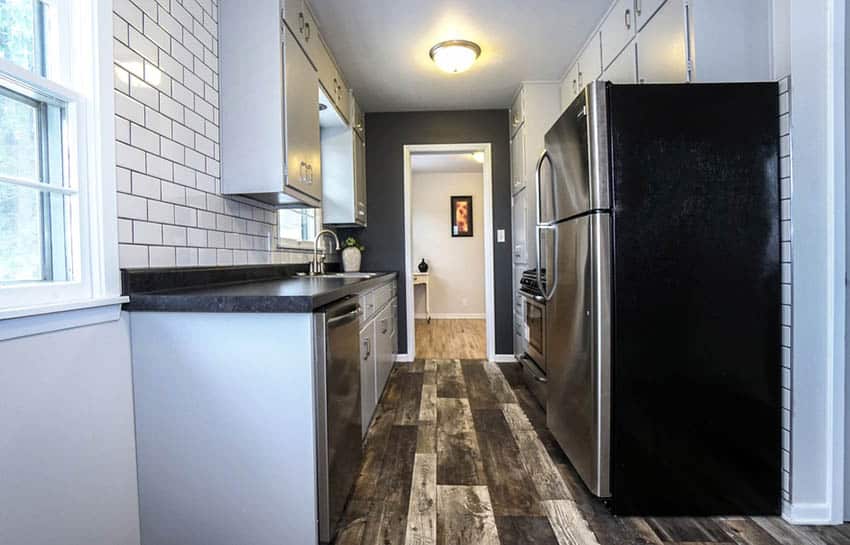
{"points": [[444, 162], [382, 47]]}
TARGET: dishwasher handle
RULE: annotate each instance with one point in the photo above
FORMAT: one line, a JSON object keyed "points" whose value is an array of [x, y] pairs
{"points": [[345, 318]]}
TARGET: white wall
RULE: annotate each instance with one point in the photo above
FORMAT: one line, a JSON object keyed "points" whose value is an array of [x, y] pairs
{"points": [[457, 263], [67, 447], [818, 211]]}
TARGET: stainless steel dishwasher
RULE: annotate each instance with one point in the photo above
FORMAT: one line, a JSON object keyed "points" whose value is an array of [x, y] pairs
{"points": [[338, 412]]}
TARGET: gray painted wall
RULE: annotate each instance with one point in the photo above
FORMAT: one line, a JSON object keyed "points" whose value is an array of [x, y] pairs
{"points": [[67, 451], [386, 134]]}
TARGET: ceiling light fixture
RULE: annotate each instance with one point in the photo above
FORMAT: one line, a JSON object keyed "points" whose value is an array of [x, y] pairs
{"points": [[455, 56]]}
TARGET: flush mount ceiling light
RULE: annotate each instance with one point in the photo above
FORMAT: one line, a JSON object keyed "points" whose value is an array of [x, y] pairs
{"points": [[455, 56]]}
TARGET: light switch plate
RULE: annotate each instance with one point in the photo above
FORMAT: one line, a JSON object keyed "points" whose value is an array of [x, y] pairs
{"points": [[500, 235]]}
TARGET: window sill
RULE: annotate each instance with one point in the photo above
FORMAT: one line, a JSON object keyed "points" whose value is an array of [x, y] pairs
{"points": [[28, 321], [297, 245]]}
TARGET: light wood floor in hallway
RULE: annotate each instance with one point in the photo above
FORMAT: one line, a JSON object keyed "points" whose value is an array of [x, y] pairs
{"points": [[447, 339], [458, 454]]}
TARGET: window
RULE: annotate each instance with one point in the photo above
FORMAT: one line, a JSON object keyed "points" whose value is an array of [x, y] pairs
{"points": [[52, 146], [296, 225]]}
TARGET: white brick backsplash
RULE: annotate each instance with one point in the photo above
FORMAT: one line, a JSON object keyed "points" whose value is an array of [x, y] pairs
{"points": [[145, 186], [131, 255], [173, 235], [144, 93], [167, 144], [187, 257], [162, 256], [147, 233]]}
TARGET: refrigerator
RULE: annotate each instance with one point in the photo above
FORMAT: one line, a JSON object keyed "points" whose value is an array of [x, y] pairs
{"points": [[658, 226]]}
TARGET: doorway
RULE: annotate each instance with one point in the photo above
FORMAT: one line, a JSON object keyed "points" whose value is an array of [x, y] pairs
{"points": [[448, 233]]}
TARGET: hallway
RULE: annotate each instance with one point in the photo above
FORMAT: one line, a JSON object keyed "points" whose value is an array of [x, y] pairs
{"points": [[458, 454], [447, 339]]}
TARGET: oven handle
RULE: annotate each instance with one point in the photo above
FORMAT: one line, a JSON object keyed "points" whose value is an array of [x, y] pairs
{"points": [[526, 362]]}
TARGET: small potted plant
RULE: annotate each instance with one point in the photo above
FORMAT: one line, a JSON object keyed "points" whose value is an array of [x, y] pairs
{"points": [[351, 255]]}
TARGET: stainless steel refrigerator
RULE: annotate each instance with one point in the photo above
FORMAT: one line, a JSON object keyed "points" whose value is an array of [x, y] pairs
{"points": [[658, 229]]}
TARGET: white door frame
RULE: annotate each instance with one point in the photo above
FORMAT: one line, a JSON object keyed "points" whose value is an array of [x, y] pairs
{"points": [[489, 303]]}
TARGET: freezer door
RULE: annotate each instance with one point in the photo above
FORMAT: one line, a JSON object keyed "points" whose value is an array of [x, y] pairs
{"points": [[578, 344], [573, 171]]}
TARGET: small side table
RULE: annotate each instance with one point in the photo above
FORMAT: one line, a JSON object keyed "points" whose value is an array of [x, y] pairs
{"points": [[422, 279]]}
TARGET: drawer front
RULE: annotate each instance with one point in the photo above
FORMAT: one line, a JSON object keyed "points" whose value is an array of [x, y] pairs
{"points": [[382, 296], [367, 304]]}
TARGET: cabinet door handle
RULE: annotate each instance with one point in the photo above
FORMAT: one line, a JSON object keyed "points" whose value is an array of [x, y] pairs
{"points": [[575, 86], [307, 32], [303, 172], [309, 174], [580, 79], [366, 345], [638, 7], [628, 17], [301, 22]]}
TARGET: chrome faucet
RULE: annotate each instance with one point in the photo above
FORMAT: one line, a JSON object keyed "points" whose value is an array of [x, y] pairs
{"points": [[318, 265]]}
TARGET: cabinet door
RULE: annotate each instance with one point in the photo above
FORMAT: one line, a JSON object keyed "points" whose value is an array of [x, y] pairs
{"points": [[518, 180], [302, 137], [624, 67], [662, 46], [360, 178], [569, 87], [617, 30], [644, 10], [520, 227], [343, 98], [590, 62], [368, 391], [384, 354], [517, 112]]}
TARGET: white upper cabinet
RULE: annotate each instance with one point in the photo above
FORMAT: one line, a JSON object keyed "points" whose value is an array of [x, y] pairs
{"points": [[569, 87], [662, 46], [590, 62], [518, 161], [617, 30], [624, 67], [517, 112], [269, 109], [300, 20], [644, 10]]}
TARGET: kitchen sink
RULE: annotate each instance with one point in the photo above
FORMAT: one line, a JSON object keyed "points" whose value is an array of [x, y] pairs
{"points": [[345, 275]]}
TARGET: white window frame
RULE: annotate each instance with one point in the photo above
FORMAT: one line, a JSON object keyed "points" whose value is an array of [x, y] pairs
{"points": [[293, 244], [84, 83]]}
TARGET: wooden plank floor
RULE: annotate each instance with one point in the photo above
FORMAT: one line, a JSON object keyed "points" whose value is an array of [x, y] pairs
{"points": [[447, 339], [458, 454]]}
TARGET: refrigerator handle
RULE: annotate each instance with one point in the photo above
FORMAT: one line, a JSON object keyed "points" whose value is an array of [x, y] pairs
{"points": [[552, 276], [543, 157]]}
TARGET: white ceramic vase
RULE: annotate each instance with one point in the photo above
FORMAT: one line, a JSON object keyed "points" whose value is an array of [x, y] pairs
{"points": [[351, 259]]}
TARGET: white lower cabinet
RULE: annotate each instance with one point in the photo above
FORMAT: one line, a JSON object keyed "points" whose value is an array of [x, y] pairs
{"points": [[378, 346], [520, 231], [368, 395]]}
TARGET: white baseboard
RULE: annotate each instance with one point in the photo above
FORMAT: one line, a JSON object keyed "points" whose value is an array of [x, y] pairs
{"points": [[504, 358], [808, 513], [451, 316], [403, 358]]}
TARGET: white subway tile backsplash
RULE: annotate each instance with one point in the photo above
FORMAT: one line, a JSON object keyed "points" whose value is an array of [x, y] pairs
{"points": [[173, 235], [131, 255], [187, 257], [129, 157], [146, 186], [147, 233], [170, 208], [162, 256]]}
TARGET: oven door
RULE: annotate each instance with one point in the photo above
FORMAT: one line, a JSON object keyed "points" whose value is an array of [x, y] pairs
{"points": [[534, 314]]}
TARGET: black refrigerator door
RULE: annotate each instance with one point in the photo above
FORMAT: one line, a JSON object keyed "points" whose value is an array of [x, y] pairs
{"points": [[696, 373]]}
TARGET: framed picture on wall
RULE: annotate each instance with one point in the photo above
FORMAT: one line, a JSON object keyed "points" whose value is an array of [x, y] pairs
{"points": [[462, 216]]}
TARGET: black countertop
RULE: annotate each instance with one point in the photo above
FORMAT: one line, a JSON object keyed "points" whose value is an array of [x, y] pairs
{"points": [[232, 289]]}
